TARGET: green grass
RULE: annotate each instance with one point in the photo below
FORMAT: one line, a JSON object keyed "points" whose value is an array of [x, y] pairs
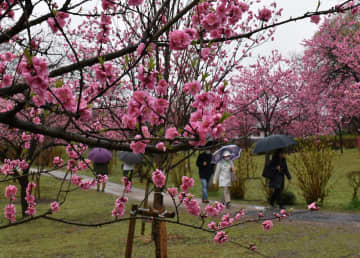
{"points": [[43, 238]]}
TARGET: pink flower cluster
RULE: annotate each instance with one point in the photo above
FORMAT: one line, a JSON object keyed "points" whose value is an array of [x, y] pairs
{"points": [[108, 4], [315, 19], [214, 209], [60, 19], [161, 146], [226, 221], [10, 212], [66, 98], [135, 2], [35, 74], [30, 199], [27, 139], [143, 105], [221, 237], [138, 146], [267, 225], [11, 165], [119, 208], [192, 87], [103, 72], [264, 15], [192, 205], [127, 184], [58, 162], [147, 79], [171, 133], [103, 34], [313, 207], [102, 178], [76, 180], [179, 40], [54, 206], [187, 183], [10, 192], [158, 178], [172, 192]]}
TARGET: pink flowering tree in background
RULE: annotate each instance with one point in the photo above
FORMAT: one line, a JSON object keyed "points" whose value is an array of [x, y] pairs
{"points": [[141, 76], [332, 69]]}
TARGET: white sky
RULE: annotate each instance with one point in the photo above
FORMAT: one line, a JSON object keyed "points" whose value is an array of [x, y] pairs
{"points": [[288, 37]]}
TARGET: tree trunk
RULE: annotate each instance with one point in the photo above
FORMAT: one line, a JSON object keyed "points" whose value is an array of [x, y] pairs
{"points": [[23, 181]]}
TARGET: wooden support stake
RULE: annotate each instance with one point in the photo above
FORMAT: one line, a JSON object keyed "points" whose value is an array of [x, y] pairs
{"points": [[130, 239]]}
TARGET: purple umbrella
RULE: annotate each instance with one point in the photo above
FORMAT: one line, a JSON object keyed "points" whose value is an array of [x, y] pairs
{"points": [[100, 155]]}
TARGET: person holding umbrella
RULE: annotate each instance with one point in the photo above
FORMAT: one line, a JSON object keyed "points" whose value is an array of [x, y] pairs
{"points": [[224, 173], [101, 158], [279, 170], [130, 159]]}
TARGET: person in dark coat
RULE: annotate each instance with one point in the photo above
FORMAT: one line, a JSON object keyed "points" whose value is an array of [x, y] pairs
{"points": [[101, 169], [277, 181], [206, 169]]}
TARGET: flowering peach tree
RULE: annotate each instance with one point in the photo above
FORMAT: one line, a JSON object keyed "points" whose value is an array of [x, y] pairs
{"points": [[142, 76]]}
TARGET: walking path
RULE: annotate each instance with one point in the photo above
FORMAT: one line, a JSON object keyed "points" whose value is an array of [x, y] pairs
{"points": [[137, 194]]}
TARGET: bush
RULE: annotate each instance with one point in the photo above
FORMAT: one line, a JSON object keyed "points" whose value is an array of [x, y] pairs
{"points": [[288, 198], [183, 169], [354, 181], [354, 205], [349, 141], [313, 167]]}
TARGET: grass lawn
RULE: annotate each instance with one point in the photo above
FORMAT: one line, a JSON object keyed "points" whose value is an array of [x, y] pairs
{"points": [[43, 238]]}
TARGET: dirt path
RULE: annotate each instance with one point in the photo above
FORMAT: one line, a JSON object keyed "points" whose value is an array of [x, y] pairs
{"points": [[137, 194]]}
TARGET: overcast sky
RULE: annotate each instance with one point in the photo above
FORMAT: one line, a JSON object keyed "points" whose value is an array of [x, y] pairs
{"points": [[288, 37]]}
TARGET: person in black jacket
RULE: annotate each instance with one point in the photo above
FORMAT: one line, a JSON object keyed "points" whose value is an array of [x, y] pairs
{"points": [[277, 181], [206, 169]]}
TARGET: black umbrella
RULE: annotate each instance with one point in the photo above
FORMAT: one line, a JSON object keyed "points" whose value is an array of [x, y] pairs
{"points": [[273, 142], [130, 157]]}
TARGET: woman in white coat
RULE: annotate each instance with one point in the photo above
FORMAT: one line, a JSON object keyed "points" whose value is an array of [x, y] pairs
{"points": [[223, 173]]}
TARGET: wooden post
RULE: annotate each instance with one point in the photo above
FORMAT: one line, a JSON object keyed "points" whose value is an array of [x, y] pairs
{"points": [[130, 239], [159, 228], [145, 204]]}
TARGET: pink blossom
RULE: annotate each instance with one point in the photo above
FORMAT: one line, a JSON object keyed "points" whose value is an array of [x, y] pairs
{"points": [[221, 237], [10, 192], [171, 133], [179, 40], [140, 49], [192, 205], [161, 146], [187, 183], [54, 206], [135, 2], [192, 87], [313, 207], [244, 6], [315, 19], [193, 34], [264, 15], [10, 212], [212, 225], [252, 247], [58, 162], [30, 198], [172, 191], [31, 210], [138, 147], [211, 21], [158, 178], [119, 208], [267, 225], [260, 214], [76, 180]]}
